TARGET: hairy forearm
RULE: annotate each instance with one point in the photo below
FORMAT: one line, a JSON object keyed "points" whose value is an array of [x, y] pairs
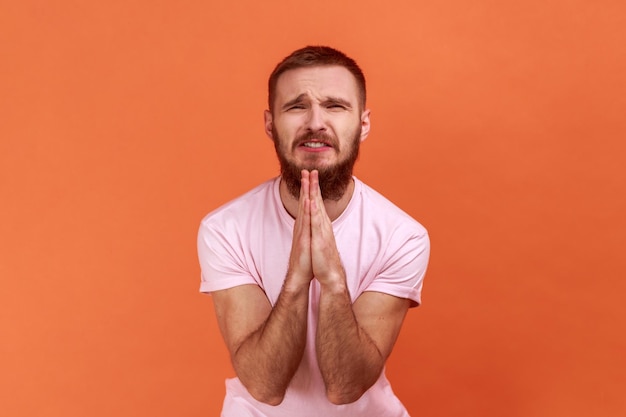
{"points": [[349, 360], [267, 359]]}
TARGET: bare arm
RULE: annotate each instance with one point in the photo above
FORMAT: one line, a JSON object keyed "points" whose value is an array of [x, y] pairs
{"points": [[266, 344], [353, 341]]}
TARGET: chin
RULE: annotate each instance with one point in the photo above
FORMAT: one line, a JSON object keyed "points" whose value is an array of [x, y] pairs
{"points": [[318, 165]]}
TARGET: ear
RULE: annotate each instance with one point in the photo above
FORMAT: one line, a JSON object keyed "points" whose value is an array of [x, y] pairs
{"points": [[267, 115], [365, 124]]}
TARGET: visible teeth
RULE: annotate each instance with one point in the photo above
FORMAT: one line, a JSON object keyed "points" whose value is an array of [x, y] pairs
{"points": [[314, 144]]}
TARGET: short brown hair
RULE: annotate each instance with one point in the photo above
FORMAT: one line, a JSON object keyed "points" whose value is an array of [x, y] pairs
{"points": [[313, 56]]}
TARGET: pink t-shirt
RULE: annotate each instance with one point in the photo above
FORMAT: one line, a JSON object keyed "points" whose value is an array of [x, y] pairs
{"points": [[248, 241]]}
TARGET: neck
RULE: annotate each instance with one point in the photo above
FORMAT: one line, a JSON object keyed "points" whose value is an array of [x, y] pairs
{"points": [[334, 208]]}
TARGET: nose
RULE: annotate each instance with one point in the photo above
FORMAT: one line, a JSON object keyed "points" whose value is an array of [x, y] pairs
{"points": [[315, 119]]}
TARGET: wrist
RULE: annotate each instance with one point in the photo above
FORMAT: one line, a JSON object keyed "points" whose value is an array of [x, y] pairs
{"points": [[296, 285], [333, 283]]}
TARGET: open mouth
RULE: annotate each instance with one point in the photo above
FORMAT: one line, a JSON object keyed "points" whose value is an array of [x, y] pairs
{"points": [[314, 145]]}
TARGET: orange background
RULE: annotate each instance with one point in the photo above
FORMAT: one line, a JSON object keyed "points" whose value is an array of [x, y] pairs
{"points": [[499, 125]]}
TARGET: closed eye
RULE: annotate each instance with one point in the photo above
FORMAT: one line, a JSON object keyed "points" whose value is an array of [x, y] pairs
{"points": [[297, 103], [337, 104]]}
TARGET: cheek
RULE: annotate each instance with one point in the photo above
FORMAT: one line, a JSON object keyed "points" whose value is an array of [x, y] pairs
{"points": [[284, 127], [280, 138], [349, 130]]}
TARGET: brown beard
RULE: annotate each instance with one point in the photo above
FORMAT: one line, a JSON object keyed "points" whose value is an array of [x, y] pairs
{"points": [[334, 180]]}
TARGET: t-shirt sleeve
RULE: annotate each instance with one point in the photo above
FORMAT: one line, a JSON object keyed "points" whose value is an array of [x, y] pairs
{"points": [[402, 274], [221, 257]]}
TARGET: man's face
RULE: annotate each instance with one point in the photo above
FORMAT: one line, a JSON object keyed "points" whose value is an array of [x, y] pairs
{"points": [[317, 123]]}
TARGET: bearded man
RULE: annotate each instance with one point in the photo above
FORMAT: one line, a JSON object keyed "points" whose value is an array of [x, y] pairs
{"points": [[312, 272]]}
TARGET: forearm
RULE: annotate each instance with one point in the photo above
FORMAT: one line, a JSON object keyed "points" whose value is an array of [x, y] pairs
{"points": [[267, 359], [349, 360]]}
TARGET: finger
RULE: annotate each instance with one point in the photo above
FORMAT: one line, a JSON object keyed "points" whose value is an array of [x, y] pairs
{"points": [[317, 202], [304, 182], [304, 194], [316, 192], [315, 185], [300, 259]]}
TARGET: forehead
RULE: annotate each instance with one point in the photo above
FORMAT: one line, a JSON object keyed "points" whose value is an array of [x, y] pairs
{"points": [[318, 82]]}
